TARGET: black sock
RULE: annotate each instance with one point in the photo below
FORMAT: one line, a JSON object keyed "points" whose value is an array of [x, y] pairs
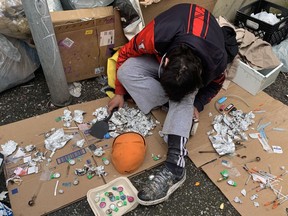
{"points": [[176, 170]]}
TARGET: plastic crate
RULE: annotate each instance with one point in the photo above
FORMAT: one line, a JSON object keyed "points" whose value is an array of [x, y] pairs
{"points": [[255, 81], [273, 34]]}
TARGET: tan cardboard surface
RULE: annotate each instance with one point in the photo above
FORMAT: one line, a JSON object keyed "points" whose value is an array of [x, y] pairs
{"points": [[276, 113], [153, 145], [83, 47], [27, 132], [69, 16], [30, 131], [85, 38]]}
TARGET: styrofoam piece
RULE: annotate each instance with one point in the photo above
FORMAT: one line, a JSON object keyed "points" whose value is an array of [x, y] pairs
{"points": [[254, 81], [128, 190]]}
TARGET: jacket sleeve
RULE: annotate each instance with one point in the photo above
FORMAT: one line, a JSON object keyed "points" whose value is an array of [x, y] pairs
{"points": [[208, 92], [142, 43]]}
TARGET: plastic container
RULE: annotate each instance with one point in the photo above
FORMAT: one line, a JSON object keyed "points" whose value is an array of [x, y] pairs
{"points": [[124, 197], [273, 34], [255, 81]]}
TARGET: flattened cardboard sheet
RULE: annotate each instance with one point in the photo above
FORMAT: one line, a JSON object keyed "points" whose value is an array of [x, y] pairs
{"points": [[27, 132], [31, 131], [269, 110], [155, 145]]}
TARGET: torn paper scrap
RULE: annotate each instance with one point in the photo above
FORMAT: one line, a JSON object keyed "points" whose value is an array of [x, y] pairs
{"points": [[9, 147]]}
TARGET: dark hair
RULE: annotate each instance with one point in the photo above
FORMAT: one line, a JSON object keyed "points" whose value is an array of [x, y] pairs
{"points": [[182, 74]]}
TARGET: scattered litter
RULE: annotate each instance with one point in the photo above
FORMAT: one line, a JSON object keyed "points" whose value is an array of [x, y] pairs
{"points": [[105, 161], [197, 184], [237, 200], [253, 135], [60, 191], [254, 196], [57, 140], [80, 143], [15, 179], [234, 172], [78, 116], [232, 183], [5, 211], [99, 151], [66, 184], [230, 128], [282, 167], [55, 189], [259, 111], [156, 157], [71, 162], [55, 175], [19, 171], [226, 163], [243, 192], [72, 155], [9, 147], [75, 182], [30, 148], [14, 191], [222, 206], [277, 149], [67, 118], [19, 153], [32, 169], [75, 89], [279, 129], [256, 204], [126, 119], [224, 175], [3, 195]]}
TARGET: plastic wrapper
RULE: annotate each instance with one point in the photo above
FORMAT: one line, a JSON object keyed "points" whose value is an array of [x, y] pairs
{"points": [[13, 22], [281, 51], [131, 17], [18, 61], [54, 5]]}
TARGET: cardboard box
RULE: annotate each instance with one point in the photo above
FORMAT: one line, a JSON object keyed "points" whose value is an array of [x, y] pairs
{"points": [[255, 81], [85, 39]]}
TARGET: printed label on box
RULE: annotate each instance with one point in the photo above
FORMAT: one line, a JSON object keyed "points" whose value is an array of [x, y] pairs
{"points": [[89, 32], [67, 42], [106, 38], [99, 70]]}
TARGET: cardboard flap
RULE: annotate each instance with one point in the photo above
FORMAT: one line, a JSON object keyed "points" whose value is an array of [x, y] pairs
{"points": [[70, 16]]}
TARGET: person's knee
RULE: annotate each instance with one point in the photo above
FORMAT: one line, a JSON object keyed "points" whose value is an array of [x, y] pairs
{"points": [[124, 70]]}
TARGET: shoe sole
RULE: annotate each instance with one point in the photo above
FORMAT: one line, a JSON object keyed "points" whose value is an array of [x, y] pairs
{"points": [[170, 191]]}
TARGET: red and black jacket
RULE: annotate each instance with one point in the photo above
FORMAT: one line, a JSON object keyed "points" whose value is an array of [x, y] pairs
{"points": [[189, 24]]}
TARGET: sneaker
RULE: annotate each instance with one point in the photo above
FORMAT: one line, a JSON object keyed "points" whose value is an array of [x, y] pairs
{"points": [[160, 187]]}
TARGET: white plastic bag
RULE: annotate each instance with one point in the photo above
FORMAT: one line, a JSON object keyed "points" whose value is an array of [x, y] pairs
{"points": [[18, 61], [13, 22], [281, 51], [131, 17]]}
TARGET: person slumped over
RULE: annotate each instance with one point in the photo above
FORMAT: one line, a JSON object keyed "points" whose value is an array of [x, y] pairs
{"points": [[179, 57]]}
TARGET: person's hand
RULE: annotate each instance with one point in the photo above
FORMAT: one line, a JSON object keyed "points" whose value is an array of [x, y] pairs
{"points": [[196, 113], [116, 101]]}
